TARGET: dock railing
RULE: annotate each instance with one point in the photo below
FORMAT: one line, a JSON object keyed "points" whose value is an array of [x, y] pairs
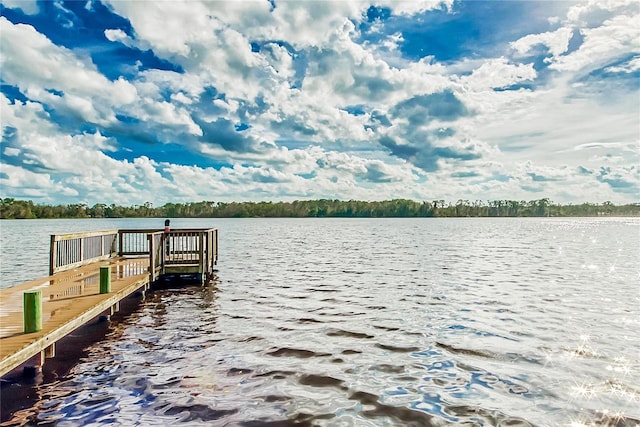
{"points": [[156, 254], [182, 248], [195, 249], [134, 242], [73, 250]]}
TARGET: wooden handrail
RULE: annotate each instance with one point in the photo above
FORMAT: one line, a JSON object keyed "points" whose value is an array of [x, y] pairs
{"points": [[69, 236], [178, 247], [72, 250]]}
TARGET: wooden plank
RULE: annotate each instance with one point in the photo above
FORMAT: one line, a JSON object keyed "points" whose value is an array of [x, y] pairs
{"points": [[52, 255], [201, 260], [152, 257], [81, 263], [83, 234]]}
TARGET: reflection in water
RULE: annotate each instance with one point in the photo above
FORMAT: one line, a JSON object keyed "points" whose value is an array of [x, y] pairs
{"points": [[378, 322]]}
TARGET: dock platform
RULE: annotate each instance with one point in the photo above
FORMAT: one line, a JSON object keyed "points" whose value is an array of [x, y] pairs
{"points": [[72, 294]]}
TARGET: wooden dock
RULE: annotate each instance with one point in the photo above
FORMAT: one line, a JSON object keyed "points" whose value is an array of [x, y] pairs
{"points": [[73, 293]]}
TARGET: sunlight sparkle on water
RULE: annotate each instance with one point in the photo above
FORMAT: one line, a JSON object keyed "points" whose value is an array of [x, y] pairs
{"points": [[584, 349], [608, 418], [583, 391], [622, 366]]}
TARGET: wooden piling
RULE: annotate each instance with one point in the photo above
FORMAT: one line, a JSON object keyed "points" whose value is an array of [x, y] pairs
{"points": [[32, 309], [105, 279]]}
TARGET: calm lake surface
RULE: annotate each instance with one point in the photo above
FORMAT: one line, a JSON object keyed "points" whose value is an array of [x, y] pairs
{"points": [[363, 322]]}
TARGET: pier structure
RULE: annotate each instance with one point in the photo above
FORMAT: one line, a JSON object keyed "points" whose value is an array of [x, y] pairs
{"points": [[89, 274]]}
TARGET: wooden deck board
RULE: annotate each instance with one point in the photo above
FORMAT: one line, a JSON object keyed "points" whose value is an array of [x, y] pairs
{"points": [[69, 300]]}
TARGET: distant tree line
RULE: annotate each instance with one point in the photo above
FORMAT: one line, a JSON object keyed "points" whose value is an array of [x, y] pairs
{"points": [[19, 209]]}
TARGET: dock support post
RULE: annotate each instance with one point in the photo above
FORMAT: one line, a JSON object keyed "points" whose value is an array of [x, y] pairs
{"points": [[114, 308], [50, 351], [31, 371], [105, 280], [32, 309]]}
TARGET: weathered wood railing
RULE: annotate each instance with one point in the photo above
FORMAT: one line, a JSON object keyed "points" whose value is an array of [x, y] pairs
{"points": [[156, 254], [193, 248], [197, 249], [72, 250], [134, 242]]}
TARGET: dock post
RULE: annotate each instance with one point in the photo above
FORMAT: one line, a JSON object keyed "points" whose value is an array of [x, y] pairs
{"points": [[32, 308], [114, 308], [105, 279], [50, 351], [167, 229]]}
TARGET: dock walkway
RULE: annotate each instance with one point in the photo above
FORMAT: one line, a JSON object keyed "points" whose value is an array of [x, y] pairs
{"points": [[71, 297]]}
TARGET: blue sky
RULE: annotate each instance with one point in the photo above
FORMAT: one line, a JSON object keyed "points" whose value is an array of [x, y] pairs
{"points": [[129, 102]]}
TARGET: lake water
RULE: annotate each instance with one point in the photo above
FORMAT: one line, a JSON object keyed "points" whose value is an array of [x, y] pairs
{"points": [[364, 322]]}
